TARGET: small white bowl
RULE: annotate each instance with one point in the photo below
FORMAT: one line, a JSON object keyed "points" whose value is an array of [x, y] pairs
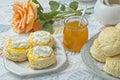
{"points": [[107, 15]]}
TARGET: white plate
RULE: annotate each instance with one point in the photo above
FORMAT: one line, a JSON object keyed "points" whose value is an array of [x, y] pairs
{"points": [[22, 69], [95, 66]]}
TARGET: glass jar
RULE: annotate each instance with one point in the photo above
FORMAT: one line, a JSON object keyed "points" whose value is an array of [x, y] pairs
{"points": [[75, 33]]}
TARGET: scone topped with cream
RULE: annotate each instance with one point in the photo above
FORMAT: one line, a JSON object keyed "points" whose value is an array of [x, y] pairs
{"points": [[41, 38], [41, 57], [17, 48], [19, 42]]}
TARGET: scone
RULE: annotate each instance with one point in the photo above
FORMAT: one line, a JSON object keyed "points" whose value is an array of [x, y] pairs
{"points": [[96, 52], [41, 38], [109, 40], [118, 26], [16, 49], [112, 66], [41, 57]]}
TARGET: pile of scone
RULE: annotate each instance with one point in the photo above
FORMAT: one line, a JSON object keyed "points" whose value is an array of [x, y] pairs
{"points": [[37, 49], [106, 49]]}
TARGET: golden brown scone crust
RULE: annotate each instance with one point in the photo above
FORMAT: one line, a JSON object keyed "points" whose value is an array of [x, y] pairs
{"points": [[112, 66], [96, 52], [109, 41]]}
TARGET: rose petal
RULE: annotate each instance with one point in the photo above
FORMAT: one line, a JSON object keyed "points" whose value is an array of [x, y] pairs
{"points": [[30, 15], [18, 8], [29, 27], [24, 21], [34, 8]]}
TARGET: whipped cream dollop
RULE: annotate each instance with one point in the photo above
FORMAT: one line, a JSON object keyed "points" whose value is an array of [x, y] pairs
{"points": [[42, 51], [41, 37], [18, 42]]}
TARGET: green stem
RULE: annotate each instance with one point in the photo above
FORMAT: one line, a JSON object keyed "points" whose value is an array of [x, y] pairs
{"points": [[63, 14]]}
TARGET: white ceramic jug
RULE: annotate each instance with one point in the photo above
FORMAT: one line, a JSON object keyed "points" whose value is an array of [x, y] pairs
{"points": [[108, 14]]}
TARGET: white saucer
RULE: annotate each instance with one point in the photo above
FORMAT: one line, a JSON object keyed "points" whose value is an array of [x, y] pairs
{"points": [[22, 69]]}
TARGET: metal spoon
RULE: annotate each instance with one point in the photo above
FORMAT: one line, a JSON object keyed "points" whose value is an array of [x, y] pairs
{"points": [[107, 2], [83, 14]]}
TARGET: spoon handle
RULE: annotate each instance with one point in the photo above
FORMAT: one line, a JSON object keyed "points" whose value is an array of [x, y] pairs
{"points": [[107, 2], [83, 14]]}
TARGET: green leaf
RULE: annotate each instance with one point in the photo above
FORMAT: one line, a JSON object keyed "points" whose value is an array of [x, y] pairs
{"points": [[78, 13], [41, 22], [51, 21], [50, 15], [39, 10], [36, 2], [54, 5], [74, 5], [62, 7], [48, 27], [41, 16]]}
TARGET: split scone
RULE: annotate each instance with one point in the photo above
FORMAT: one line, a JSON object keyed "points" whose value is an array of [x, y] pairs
{"points": [[16, 49], [41, 57], [96, 52], [109, 40], [112, 66], [41, 38]]}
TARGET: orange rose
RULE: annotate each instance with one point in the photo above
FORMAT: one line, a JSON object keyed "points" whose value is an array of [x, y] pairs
{"points": [[24, 17]]}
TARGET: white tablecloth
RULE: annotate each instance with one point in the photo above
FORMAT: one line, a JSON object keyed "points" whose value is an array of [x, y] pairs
{"points": [[75, 71]]}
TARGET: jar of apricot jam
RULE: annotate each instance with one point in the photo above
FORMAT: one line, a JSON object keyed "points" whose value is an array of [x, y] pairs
{"points": [[75, 33]]}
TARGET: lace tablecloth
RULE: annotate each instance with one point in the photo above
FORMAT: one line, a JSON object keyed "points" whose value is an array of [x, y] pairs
{"points": [[76, 69]]}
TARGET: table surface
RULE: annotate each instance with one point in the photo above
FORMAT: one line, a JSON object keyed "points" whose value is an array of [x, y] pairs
{"points": [[76, 69]]}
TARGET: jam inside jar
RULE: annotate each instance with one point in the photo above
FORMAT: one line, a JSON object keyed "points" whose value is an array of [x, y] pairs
{"points": [[75, 33]]}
